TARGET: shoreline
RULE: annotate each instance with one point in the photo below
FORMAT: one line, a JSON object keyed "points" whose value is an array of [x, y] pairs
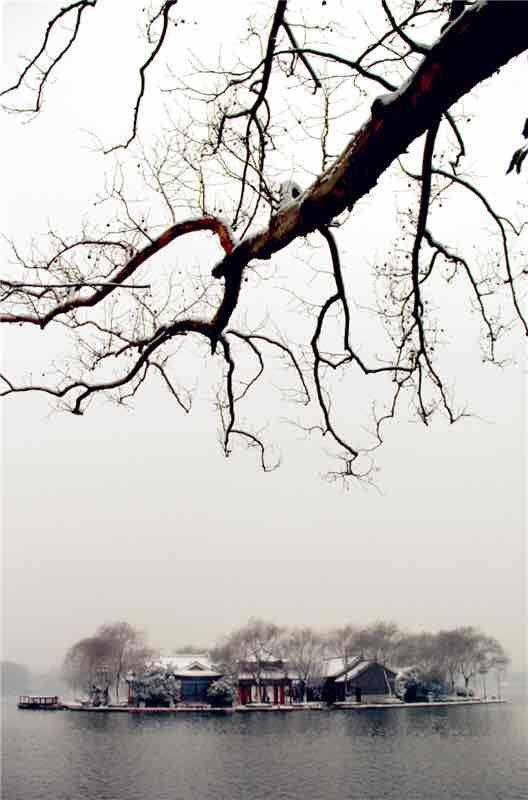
{"points": [[280, 709]]}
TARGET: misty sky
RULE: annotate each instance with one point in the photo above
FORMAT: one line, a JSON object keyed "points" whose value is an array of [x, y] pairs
{"points": [[135, 514]]}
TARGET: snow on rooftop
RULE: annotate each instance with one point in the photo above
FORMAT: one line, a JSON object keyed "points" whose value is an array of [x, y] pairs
{"points": [[356, 670], [263, 655], [186, 662], [337, 664]]}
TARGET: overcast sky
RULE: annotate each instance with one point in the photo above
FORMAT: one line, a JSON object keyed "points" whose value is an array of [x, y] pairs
{"points": [[136, 514]]}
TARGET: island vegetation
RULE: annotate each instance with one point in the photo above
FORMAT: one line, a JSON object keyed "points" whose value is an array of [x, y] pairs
{"points": [[445, 661]]}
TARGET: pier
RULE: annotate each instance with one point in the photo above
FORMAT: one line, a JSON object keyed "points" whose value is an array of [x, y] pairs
{"points": [[45, 703]]}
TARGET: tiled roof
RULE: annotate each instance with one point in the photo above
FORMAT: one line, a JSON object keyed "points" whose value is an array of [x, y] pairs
{"points": [[195, 663], [356, 670], [360, 667], [264, 656], [264, 675], [332, 667]]}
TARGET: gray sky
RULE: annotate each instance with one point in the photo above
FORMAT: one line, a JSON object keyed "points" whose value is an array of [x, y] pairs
{"points": [[135, 514]]}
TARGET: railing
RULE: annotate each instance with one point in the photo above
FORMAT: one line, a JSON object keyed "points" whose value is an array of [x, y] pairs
{"points": [[41, 701]]}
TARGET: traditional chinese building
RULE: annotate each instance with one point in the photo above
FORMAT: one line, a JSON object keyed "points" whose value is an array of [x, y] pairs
{"points": [[263, 680], [193, 673], [356, 679]]}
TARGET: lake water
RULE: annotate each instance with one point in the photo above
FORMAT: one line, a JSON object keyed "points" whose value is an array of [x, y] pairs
{"points": [[464, 753]]}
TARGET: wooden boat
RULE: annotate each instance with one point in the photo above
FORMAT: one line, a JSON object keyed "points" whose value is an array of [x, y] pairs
{"points": [[41, 703]]}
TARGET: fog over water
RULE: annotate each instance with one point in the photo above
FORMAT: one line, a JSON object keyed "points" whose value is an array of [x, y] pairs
{"points": [[135, 514]]}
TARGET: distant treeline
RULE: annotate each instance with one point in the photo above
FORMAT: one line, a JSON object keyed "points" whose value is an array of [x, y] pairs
{"points": [[15, 678], [18, 679]]}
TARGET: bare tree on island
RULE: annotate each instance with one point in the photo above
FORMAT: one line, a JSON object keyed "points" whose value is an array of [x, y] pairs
{"points": [[304, 651], [114, 650], [85, 664], [128, 649], [222, 162], [421, 651], [464, 652], [341, 643], [378, 642], [475, 653], [250, 649], [499, 664]]}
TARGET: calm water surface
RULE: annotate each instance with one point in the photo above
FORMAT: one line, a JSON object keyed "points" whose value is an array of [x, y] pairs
{"points": [[410, 754]]}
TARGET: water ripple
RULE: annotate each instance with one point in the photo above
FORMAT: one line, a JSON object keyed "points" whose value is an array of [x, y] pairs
{"points": [[437, 754]]}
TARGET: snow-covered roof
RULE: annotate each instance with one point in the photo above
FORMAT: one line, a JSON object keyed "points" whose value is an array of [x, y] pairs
{"points": [[352, 673], [183, 663], [332, 667], [264, 656], [264, 675], [358, 668], [404, 672]]}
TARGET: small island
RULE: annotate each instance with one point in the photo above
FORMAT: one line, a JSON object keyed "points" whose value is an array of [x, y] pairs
{"points": [[265, 667]]}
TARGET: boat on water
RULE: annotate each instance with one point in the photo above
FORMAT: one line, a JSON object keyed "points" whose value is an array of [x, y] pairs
{"points": [[48, 703]]}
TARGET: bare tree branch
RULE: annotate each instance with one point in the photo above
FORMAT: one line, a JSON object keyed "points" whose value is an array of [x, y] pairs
{"points": [[223, 156], [78, 7]]}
